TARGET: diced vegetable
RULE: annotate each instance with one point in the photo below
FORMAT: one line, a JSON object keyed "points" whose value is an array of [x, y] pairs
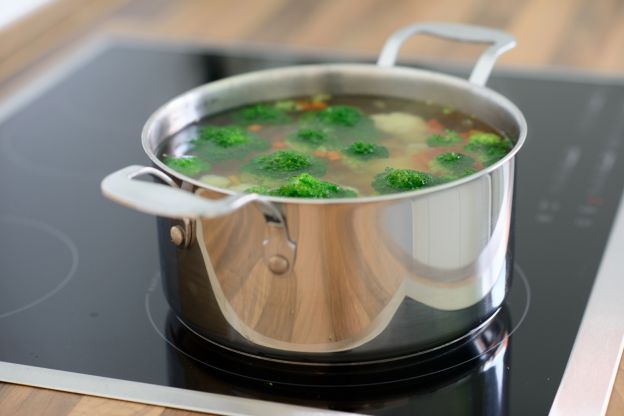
{"points": [[258, 189], [489, 147], [401, 180], [311, 137], [285, 163], [227, 136], [407, 126], [340, 115], [187, 165], [216, 143], [456, 175], [262, 114], [305, 185], [451, 163], [448, 138], [215, 180], [364, 151]]}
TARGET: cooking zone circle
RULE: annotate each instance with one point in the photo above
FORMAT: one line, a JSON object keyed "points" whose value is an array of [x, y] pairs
{"points": [[517, 305], [26, 283]]}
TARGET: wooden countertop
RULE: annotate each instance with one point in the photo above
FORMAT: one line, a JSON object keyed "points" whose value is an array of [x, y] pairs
{"points": [[573, 33]]}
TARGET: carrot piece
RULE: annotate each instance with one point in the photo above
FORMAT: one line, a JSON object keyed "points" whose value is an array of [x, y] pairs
{"points": [[474, 131], [422, 158], [278, 145], [311, 105], [333, 156], [254, 127], [318, 105], [304, 105], [320, 153], [465, 135], [435, 126]]}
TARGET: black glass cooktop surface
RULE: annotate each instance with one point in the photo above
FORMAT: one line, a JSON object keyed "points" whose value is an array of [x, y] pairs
{"points": [[79, 288]]}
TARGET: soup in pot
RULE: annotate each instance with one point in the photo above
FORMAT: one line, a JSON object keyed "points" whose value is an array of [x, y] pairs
{"points": [[334, 147]]}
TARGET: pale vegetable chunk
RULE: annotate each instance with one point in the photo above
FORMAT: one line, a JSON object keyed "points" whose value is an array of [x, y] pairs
{"points": [[404, 125], [215, 180]]}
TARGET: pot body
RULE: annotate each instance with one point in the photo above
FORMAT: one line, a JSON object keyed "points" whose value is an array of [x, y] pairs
{"points": [[369, 279]]}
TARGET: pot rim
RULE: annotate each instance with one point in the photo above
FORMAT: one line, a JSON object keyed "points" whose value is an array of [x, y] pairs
{"points": [[456, 82]]}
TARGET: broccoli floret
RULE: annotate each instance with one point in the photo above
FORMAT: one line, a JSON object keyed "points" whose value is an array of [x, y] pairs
{"points": [[449, 138], [401, 180], [262, 114], [456, 175], [340, 115], [216, 143], [305, 185], [365, 151], [450, 163], [341, 122], [286, 105], [484, 139], [311, 137], [258, 189], [489, 147], [227, 136], [187, 165], [285, 163]]}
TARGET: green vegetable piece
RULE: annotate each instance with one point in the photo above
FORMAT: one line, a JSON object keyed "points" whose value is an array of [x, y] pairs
{"points": [[261, 114], [484, 139], [489, 147], [365, 151], [451, 163], [400, 180], [340, 115], [216, 143], [258, 189], [187, 165], [457, 175], [285, 163], [343, 124], [227, 136], [311, 137], [449, 138], [305, 185], [286, 105]]}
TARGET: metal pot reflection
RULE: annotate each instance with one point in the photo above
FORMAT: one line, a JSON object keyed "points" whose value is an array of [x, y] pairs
{"points": [[466, 379]]}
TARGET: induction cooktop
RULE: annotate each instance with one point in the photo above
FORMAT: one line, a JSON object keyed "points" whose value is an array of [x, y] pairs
{"points": [[82, 307]]}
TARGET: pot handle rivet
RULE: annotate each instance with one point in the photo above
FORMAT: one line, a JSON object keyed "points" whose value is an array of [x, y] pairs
{"points": [[278, 264], [177, 235]]}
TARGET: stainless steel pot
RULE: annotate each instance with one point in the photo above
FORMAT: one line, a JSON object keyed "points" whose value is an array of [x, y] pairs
{"points": [[334, 281]]}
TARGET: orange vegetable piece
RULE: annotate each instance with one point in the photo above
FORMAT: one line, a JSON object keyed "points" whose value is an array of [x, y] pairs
{"points": [[422, 158], [254, 127], [334, 156], [304, 105], [435, 126], [278, 145], [320, 153], [318, 105]]}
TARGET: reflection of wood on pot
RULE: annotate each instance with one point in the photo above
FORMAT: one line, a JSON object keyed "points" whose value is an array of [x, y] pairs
{"points": [[342, 292]]}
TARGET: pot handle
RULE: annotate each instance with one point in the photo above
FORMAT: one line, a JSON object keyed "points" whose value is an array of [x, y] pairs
{"points": [[166, 201], [172, 202], [502, 42]]}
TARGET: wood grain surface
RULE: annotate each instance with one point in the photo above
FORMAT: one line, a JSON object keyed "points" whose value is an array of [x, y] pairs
{"points": [[586, 35]]}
